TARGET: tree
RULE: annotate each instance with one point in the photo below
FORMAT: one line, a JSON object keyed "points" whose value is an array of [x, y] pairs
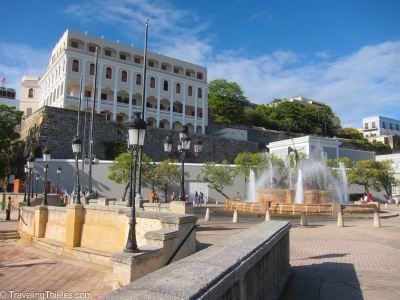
{"points": [[386, 175], [245, 161], [334, 164], [227, 102], [218, 177], [365, 173], [10, 118], [325, 114], [120, 168], [167, 173]]}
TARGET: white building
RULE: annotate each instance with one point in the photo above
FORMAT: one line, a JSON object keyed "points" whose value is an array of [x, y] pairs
{"points": [[395, 162], [176, 91], [30, 95], [377, 126], [8, 97]]}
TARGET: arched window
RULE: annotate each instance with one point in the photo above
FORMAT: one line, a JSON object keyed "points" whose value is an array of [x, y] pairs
{"points": [[91, 69], [139, 79], [108, 73], [199, 93], [75, 65], [30, 93], [124, 76], [178, 88], [152, 82], [190, 91], [165, 85]]}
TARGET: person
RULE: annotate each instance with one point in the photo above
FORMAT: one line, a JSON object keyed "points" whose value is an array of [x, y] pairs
{"points": [[201, 198], [96, 194], [151, 197], [238, 195], [196, 194], [185, 196], [198, 200], [156, 198], [390, 200], [396, 199], [173, 196], [8, 209], [365, 197]]}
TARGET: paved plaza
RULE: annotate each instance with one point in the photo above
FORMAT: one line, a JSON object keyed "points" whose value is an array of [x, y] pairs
{"points": [[357, 261]]}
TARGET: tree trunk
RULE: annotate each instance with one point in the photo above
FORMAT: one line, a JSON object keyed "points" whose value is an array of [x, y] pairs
{"points": [[125, 191]]}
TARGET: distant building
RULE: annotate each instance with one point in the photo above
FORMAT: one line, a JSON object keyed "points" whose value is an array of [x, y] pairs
{"points": [[30, 95], [176, 90], [379, 126], [395, 162], [8, 96]]}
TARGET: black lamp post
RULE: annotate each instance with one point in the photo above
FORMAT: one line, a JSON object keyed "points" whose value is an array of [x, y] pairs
{"points": [[182, 153], [30, 162], [58, 179], [137, 131], [26, 170], [46, 158], [154, 165], [37, 181], [76, 148]]}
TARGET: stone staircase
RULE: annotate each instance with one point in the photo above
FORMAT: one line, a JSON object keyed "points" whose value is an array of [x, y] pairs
{"points": [[9, 235]]}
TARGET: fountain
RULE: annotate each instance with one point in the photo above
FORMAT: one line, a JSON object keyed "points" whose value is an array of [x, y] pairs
{"points": [[316, 191]]}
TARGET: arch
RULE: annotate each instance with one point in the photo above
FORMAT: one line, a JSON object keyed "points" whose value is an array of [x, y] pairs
{"points": [[152, 82], [178, 88], [124, 77], [199, 93], [109, 73], [165, 85], [91, 69], [165, 104], [31, 93], [75, 65], [138, 79], [190, 91]]}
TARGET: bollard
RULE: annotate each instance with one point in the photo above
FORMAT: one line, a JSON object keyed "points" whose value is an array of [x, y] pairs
{"points": [[235, 217], [267, 216], [207, 218], [216, 202], [340, 222], [377, 222], [386, 205], [303, 220]]}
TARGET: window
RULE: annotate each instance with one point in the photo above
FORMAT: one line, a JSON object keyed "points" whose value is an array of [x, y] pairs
{"points": [[151, 64], [122, 56], [103, 96], [137, 60], [108, 117], [199, 76], [91, 69], [165, 85], [187, 73], [30, 93], [199, 93], [92, 49], [390, 125], [74, 44], [366, 126], [152, 82], [28, 111], [107, 52], [163, 67], [190, 91], [150, 123], [373, 125], [176, 70], [124, 76], [133, 101], [120, 119], [139, 79], [178, 88], [75, 66], [383, 125], [108, 73], [88, 93], [161, 124]]}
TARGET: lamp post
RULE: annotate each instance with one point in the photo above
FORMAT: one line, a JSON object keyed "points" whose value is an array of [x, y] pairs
{"points": [[46, 158], [26, 170], [30, 162], [58, 179], [76, 148], [182, 153], [154, 165], [37, 181], [137, 131]]}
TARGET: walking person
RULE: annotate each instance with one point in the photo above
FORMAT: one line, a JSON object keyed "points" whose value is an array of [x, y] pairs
{"points": [[198, 200], [8, 209]]}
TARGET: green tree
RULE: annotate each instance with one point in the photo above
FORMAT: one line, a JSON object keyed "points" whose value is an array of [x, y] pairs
{"points": [[218, 177], [10, 119], [334, 164], [386, 175], [167, 173], [226, 101], [246, 161], [365, 173]]}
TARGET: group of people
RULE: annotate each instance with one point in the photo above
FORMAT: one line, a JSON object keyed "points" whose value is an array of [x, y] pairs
{"points": [[394, 200], [199, 198], [367, 197], [154, 197]]}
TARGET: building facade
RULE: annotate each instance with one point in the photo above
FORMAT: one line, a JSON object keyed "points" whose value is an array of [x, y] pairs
{"points": [[378, 126], [30, 94], [8, 97], [175, 94]]}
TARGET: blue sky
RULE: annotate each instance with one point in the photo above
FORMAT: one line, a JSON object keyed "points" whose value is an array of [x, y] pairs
{"points": [[345, 53]]}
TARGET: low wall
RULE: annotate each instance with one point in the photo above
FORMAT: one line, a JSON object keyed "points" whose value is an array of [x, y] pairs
{"points": [[253, 264]]}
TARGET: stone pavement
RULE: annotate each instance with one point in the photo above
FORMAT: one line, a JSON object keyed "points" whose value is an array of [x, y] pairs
{"points": [[357, 261]]}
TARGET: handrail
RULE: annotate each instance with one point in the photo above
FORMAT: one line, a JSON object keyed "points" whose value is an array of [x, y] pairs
{"points": [[180, 246]]}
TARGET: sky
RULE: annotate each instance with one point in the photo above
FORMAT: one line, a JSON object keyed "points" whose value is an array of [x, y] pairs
{"points": [[344, 53]]}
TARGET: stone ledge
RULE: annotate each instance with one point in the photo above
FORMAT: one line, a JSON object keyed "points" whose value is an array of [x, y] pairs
{"points": [[145, 253], [162, 234]]}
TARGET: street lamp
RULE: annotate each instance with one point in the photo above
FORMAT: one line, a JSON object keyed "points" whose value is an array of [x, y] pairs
{"points": [[30, 162], [58, 179], [182, 153], [37, 181], [46, 158], [76, 148], [26, 171], [136, 132]]}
